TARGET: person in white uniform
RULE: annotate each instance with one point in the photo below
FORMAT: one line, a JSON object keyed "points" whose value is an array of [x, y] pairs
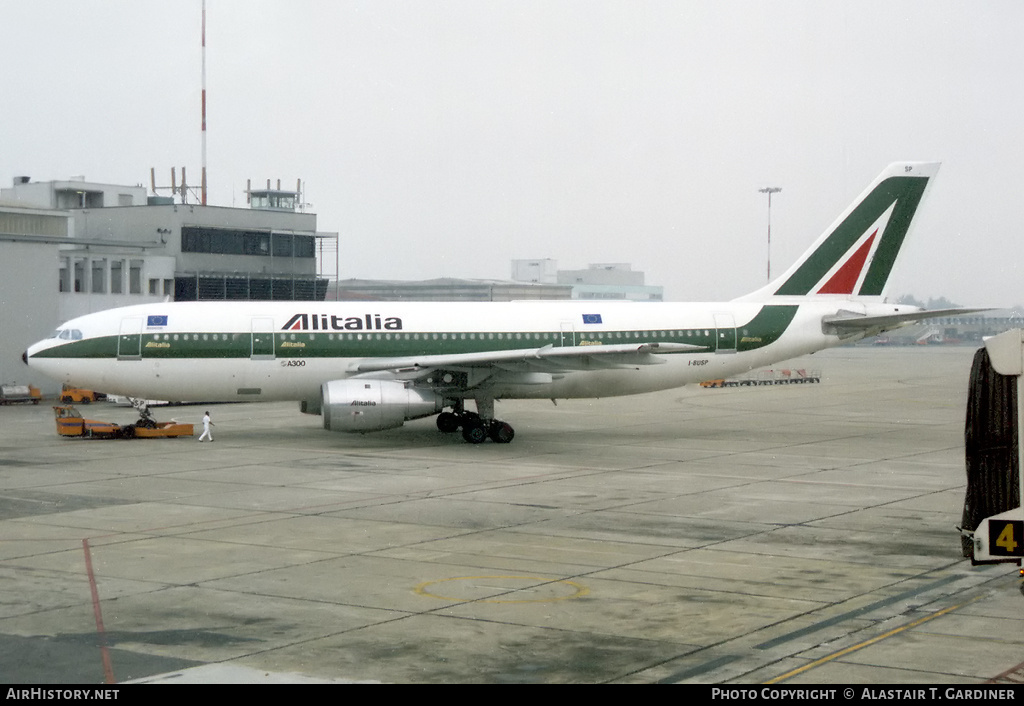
{"points": [[206, 428]]}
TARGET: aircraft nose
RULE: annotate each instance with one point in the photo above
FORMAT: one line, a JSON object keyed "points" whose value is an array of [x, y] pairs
{"points": [[24, 357]]}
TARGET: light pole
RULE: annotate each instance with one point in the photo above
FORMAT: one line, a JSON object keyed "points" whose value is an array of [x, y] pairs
{"points": [[770, 190]]}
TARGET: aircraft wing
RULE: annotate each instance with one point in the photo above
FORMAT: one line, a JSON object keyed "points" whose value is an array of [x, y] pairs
{"points": [[847, 323], [550, 357]]}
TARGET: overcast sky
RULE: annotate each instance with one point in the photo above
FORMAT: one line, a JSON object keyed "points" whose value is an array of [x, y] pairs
{"points": [[446, 138]]}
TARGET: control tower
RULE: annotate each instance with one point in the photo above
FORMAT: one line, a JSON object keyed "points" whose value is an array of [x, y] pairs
{"points": [[278, 199]]}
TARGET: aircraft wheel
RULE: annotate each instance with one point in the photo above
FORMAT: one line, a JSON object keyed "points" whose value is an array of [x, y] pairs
{"points": [[448, 422], [502, 432], [474, 432]]}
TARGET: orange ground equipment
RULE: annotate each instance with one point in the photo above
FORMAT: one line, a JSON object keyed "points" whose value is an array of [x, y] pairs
{"points": [[70, 395], [71, 423]]}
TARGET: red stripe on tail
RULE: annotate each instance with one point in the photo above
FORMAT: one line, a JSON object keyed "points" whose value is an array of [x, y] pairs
{"points": [[845, 278]]}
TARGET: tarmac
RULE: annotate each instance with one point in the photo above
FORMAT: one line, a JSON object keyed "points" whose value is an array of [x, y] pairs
{"points": [[785, 534]]}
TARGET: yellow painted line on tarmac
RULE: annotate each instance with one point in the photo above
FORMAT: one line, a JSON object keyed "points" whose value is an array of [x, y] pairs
{"points": [[866, 643], [578, 590]]}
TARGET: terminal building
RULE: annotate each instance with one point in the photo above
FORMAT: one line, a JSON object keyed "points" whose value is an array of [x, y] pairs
{"points": [[69, 248]]}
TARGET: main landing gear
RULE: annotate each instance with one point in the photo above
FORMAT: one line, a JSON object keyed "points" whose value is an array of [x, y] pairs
{"points": [[476, 428]]}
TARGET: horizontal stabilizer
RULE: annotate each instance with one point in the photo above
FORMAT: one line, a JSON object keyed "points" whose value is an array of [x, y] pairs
{"points": [[848, 323]]}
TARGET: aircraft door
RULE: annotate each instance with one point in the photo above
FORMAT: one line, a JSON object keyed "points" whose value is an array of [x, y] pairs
{"points": [[129, 339], [262, 338], [568, 334], [725, 338]]}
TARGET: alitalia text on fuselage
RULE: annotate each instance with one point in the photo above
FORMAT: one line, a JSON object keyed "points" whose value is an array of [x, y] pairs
{"points": [[335, 322]]}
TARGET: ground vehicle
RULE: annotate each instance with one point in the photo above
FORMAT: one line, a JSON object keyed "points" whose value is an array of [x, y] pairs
{"points": [[12, 394], [69, 394], [767, 377], [71, 423]]}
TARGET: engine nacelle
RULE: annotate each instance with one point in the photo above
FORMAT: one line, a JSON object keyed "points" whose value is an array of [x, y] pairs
{"points": [[372, 405]]}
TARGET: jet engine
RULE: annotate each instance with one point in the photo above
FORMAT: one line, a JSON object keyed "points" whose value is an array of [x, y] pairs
{"points": [[358, 405]]}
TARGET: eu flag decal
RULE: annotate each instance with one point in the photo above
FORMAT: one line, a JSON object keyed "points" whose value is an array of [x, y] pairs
{"points": [[591, 318], [156, 321]]}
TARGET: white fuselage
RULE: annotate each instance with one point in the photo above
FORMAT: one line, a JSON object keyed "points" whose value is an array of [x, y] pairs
{"points": [[270, 351]]}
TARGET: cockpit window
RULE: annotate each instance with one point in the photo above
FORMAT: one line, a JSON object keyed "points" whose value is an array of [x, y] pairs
{"points": [[67, 334]]}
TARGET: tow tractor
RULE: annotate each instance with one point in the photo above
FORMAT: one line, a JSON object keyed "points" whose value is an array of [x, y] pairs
{"points": [[71, 423], [70, 394]]}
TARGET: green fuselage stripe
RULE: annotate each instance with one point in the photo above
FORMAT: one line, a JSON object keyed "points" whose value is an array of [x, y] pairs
{"points": [[765, 328]]}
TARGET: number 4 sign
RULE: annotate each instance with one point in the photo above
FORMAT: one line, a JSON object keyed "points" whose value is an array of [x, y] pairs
{"points": [[1005, 537]]}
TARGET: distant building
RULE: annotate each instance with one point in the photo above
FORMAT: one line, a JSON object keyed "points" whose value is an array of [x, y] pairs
{"points": [[531, 279], [598, 281], [543, 271], [445, 290]]}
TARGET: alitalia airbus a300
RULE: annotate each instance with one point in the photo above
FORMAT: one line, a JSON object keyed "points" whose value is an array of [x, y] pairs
{"points": [[371, 366]]}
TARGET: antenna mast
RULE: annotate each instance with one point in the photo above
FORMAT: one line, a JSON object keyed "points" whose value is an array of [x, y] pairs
{"points": [[203, 182]]}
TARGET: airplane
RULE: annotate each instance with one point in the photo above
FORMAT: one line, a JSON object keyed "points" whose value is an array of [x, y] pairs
{"points": [[369, 366]]}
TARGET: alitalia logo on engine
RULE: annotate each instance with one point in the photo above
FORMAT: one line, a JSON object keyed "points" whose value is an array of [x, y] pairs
{"points": [[331, 322]]}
